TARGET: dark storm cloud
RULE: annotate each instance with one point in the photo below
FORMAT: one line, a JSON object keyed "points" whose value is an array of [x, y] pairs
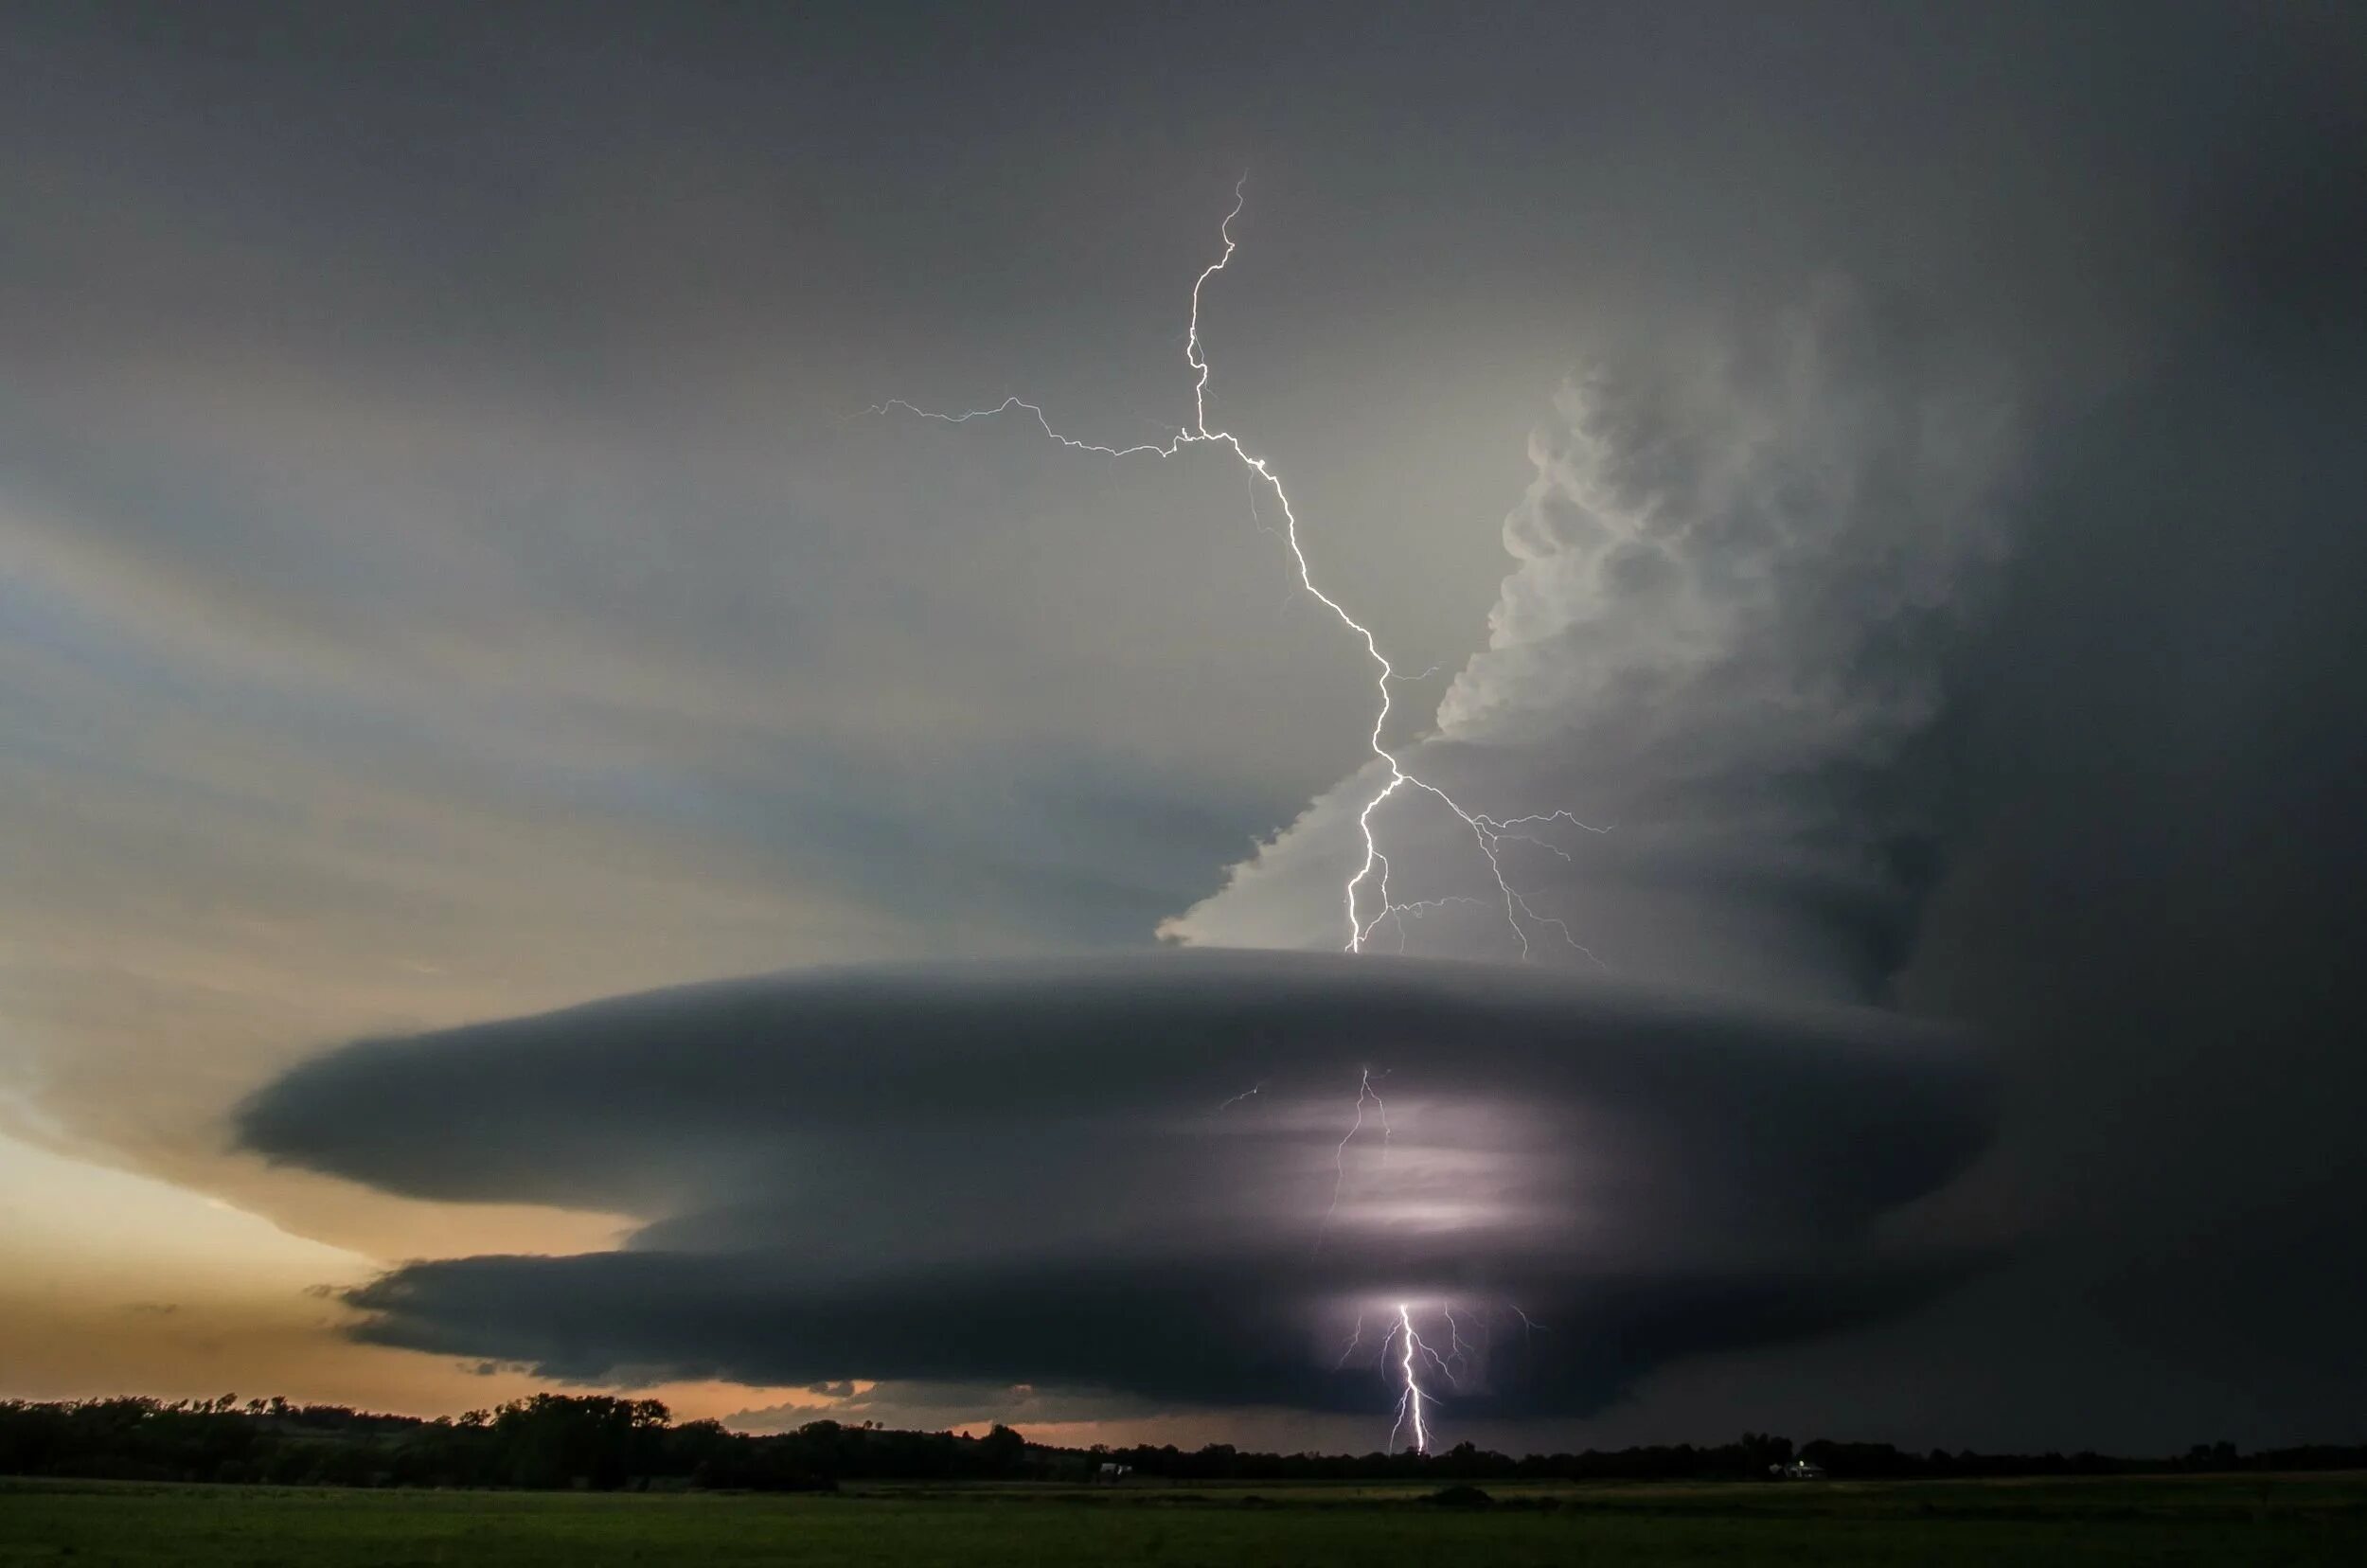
{"points": [[1178, 1332], [2159, 900], [434, 544], [2153, 905], [1057, 1174]]}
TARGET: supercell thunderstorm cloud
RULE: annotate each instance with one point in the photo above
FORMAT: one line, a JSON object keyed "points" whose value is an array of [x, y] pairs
{"points": [[1561, 726], [1228, 1179], [1031, 1173]]}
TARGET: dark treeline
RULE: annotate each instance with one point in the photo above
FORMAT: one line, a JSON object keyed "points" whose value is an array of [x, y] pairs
{"points": [[556, 1441]]}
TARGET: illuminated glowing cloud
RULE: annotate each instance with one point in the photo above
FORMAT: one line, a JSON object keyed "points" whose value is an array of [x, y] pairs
{"points": [[1042, 1173], [1739, 567]]}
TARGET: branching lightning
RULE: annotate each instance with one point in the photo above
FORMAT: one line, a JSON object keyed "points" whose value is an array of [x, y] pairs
{"points": [[1250, 1093], [1366, 1095], [1461, 1351], [1354, 1340], [1366, 897], [1405, 1358], [1410, 1404], [1367, 901]]}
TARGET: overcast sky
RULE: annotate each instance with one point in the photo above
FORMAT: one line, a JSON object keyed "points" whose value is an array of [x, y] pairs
{"points": [[1900, 474]]}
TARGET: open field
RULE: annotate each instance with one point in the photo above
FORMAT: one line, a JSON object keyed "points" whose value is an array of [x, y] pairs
{"points": [[2210, 1520]]}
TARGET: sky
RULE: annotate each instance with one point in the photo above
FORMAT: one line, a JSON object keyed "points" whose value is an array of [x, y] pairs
{"points": [[554, 831]]}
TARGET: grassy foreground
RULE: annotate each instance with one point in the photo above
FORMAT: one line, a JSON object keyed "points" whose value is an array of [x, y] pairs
{"points": [[2283, 1520]]}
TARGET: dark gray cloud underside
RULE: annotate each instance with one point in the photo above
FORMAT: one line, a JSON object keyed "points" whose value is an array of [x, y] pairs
{"points": [[1154, 1176], [1183, 1334]]}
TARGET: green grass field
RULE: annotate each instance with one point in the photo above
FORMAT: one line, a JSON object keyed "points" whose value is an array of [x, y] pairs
{"points": [[2217, 1521]]}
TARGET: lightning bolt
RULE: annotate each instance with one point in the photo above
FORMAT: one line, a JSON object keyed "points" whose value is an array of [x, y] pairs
{"points": [[1460, 1355], [1354, 1340], [1250, 1093], [1367, 903], [1422, 906], [1410, 1402], [1365, 910], [1366, 1095], [1404, 1358], [1467, 1353]]}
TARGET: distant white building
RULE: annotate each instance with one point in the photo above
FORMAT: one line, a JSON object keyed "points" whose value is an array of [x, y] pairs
{"points": [[1112, 1470], [1799, 1469]]}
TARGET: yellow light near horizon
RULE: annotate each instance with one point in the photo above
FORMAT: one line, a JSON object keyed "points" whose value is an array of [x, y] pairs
{"points": [[72, 1229]]}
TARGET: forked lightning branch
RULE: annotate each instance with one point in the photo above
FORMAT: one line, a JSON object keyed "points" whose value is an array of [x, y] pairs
{"points": [[1367, 899]]}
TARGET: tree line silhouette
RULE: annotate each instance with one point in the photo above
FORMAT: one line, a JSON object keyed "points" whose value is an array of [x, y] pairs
{"points": [[556, 1441]]}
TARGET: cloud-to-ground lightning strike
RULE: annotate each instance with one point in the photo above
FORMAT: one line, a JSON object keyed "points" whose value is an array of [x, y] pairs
{"points": [[1410, 1402], [1490, 833], [1368, 902], [1463, 1362], [1402, 1353]]}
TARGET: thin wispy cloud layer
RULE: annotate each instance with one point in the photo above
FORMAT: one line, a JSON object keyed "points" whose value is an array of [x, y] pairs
{"points": [[1182, 1177]]}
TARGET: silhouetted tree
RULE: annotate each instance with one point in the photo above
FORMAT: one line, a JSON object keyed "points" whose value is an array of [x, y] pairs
{"points": [[566, 1441]]}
